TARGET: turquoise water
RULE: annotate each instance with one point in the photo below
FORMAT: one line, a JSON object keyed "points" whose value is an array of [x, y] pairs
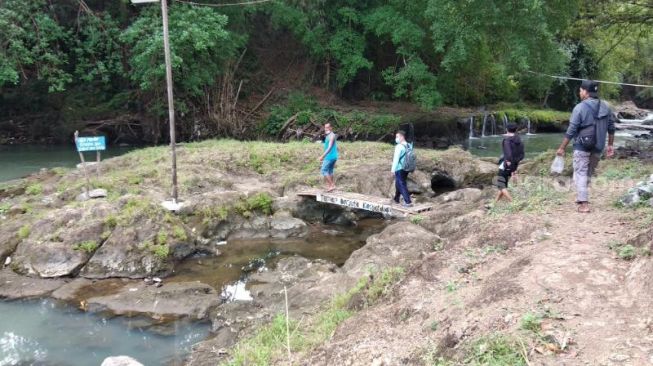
{"points": [[47, 333], [533, 144], [17, 161]]}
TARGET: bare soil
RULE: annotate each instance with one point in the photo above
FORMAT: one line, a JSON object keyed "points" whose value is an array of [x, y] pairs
{"points": [[555, 264]]}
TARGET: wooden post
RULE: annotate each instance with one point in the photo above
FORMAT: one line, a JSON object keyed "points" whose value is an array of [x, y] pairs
{"points": [[81, 157], [171, 107], [97, 167]]}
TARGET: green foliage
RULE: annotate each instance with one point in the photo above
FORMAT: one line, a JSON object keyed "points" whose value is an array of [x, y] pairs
{"points": [[24, 232], [530, 195], [627, 251], [4, 208], [179, 233], [495, 350], [162, 238], [32, 44], [200, 48], [629, 169], [160, 250], [269, 341], [531, 322], [34, 189], [111, 221], [261, 202], [89, 246], [416, 219]]}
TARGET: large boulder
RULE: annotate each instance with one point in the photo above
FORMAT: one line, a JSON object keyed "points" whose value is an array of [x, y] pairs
{"points": [[8, 239], [399, 244], [194, 300], [14, 286], [283, 225], [62, 242], [129, 252]]}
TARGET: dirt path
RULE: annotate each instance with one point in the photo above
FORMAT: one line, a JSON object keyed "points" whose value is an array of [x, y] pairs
{"points": [[590, 306]]}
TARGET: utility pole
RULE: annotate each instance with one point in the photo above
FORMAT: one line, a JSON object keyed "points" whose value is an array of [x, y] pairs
{"points": [[171, 102], [174, 205]]}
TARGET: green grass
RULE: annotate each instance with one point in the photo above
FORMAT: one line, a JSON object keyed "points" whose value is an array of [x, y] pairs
{"points": [[160, 251], [269, 342], [4, 208], [162, 238], [538, 115], [451, 286], [627, 251], [531, 195], [629, 169], [495, 350], [24, 232], [260, 202], [416, 219], [179, 233], [34, 189], [531, 322], [89, 246]]}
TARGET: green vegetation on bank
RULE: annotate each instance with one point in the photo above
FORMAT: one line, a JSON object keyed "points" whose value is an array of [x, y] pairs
{"points": [[270, 341], [306, 111], [63, 63], [536, 115]]}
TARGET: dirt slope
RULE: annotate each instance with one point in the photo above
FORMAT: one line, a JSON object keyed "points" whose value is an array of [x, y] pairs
{"points": [[591, 307]]}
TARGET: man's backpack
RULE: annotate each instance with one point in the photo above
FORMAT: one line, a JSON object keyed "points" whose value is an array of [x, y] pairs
{"points": [[587, 135], [409, 160]]}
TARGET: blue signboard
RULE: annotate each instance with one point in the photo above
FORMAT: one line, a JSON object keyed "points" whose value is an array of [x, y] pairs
{"points": [[94, 143]]}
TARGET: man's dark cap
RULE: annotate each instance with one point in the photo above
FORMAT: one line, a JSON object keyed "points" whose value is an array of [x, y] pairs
{"points": [[591, 86]]}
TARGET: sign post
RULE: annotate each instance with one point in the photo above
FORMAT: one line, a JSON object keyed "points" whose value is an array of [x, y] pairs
{"points": [[93, 143]]}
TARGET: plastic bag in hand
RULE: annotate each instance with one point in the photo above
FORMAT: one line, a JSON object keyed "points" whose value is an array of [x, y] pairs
{"points": [[558, 165]]}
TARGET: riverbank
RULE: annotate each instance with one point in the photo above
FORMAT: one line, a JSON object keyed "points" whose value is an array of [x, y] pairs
{"points": [[102, 255]]}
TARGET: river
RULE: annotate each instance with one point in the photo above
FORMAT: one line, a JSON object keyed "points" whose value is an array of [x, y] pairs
{"points": [[17, 161]]}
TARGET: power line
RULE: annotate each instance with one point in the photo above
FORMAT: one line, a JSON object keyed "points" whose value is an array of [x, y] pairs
{"points": [[598, 81], [252, 2]]}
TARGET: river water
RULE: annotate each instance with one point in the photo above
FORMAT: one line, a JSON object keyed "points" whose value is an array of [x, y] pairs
{"points": [[17, 161], [45, 332]]}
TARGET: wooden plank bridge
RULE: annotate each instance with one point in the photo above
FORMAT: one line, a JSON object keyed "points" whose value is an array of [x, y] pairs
{"points": [[365, 202]]}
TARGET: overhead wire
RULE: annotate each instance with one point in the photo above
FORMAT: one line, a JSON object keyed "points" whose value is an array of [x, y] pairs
{"points": [[244, 3], [580, 79]]}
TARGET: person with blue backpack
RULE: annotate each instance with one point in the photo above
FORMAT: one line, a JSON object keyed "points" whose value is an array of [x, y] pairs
{"points": [[590, 122], [403, 162]]}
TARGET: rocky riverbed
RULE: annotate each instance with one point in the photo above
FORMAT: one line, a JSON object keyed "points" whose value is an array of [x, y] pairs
{"points": [[102, 254]]}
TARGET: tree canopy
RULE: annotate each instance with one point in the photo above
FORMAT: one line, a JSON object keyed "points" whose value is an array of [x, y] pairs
{"points": [[426, 52]]}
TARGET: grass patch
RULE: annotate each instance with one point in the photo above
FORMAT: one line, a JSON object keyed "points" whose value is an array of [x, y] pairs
{"points": [[162, 238], [160, 250], [495, 350], [24, 232], [4, 208], [627, 251], [416, 219], [530, 195], [88, 246], [179, 233], [624, 169], [269, 342], [34, 189], [260, 202], [531, 322]]}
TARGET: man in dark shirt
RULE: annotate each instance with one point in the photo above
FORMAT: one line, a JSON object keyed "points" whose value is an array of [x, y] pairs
{"points": [[513, 153], [589, 113]]}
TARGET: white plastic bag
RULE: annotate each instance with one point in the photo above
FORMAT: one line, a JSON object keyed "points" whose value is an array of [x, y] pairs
{"points": [[558, 165]]}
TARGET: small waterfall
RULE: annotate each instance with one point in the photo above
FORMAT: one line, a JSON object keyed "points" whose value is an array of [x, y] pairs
{"points": [[505, 123], [484, 123], [494, 125], [471, 127], [528, 121]]}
